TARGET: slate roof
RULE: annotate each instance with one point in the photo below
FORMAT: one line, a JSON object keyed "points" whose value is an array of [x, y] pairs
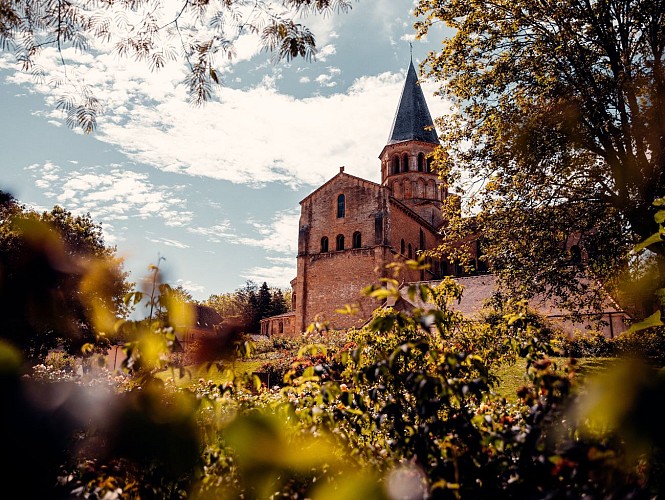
{"points": [[412, 115], [478, 289]]}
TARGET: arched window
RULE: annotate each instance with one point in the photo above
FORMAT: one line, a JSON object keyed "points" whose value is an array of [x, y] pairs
{"points": [[410, 252], [405, 163], [324, 244], [341, 206], [421, 162], [402, 247], [340, 242], [395, 164], [357, 241], [422, 240], [575, 255]]}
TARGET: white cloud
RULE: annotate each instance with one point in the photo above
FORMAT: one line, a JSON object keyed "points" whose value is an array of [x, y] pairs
{"points": [[279, 276], [252, 136], [280, 235], [325, 52], [111, 193], [216, 234], [325, 80], [168, 242], [304, 79], [190, 286]]}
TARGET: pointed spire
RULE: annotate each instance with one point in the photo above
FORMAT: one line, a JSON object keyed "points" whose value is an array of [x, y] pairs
{"points": [[412, 115]]}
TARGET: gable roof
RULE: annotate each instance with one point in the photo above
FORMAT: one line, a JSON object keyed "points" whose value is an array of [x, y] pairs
{"points": [[411, 213], [412, 121], [359, 180]]}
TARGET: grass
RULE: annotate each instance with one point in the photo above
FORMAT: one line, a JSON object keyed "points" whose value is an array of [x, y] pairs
{"points": [[513, 376]]}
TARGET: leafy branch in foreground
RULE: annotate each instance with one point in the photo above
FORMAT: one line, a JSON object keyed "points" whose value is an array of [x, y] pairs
{"points": [[154, 32]]}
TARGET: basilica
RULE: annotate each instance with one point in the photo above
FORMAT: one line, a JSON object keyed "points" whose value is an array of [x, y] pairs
{"points": [[351, 228]]}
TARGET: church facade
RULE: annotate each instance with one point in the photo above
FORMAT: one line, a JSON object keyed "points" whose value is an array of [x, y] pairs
{"points": [[351, 228]]}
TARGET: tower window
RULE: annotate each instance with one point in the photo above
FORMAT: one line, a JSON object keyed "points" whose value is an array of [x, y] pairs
{"points": [[402, 247], [340, 242], [324, 244], [422, 240], [341, 206], [421, 162], [395, 164], [410, 252], [405, 163], [357, 241]]}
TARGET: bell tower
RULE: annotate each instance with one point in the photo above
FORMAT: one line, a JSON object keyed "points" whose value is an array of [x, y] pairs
{"points": [[406, 168]]}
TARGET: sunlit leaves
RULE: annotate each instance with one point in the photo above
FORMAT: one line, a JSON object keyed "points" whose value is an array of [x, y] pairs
{"points": [[558, 122]]}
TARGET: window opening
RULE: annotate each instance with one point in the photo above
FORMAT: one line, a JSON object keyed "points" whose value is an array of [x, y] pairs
{"points": [[340, 242], [357, 243], [341, 206]]}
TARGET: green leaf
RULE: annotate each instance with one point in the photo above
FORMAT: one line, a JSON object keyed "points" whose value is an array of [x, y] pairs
{"points": [[650, 322], [651, 240], [659, 217]]}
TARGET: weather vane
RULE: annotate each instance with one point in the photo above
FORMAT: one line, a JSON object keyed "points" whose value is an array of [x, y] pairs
{"points": [[411, 50]]}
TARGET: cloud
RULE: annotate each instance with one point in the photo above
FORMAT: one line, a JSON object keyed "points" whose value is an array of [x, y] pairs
{"points": [[253, 135], [110, 193], [325, 52], [190, 286], [168, 242], [304, 79], [216, 233], [279, 276], [280, 235]]}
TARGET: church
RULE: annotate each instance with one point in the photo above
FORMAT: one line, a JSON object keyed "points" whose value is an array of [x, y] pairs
{"points": [[351, 228]]}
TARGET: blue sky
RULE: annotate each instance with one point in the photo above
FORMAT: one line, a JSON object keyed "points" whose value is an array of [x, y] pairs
{"points": [[214, 190]]}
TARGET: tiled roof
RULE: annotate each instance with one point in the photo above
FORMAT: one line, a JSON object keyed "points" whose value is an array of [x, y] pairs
{"points": [[412, 121]]}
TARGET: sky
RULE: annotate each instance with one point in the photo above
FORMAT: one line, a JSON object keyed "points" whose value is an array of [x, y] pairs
{"points": [[214, 190]]}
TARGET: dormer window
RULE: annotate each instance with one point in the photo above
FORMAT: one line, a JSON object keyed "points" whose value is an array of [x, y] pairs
{"points": [[341, 206]]}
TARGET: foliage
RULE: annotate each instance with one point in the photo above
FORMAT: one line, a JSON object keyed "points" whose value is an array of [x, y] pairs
{"points": [[249, 305], [401, 407], [560, 122], [59, 283], [156, 33]]}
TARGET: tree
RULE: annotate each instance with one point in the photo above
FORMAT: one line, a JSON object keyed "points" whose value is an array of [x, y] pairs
{"points": [[278, 303], [561, 121], [155, 32], [59, 283]]}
